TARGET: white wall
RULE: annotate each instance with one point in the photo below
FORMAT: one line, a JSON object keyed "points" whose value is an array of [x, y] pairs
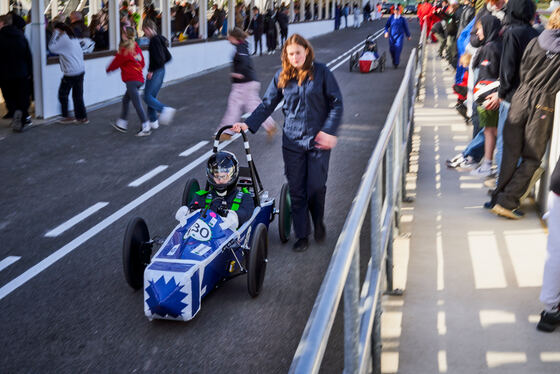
{"points": [[187, 60]]}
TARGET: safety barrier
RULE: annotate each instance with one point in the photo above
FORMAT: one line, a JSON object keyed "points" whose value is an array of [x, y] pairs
{"points": [[382, 188]]}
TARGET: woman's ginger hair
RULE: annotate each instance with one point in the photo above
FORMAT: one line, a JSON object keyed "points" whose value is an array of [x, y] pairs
{"points": [[288, 71], [554, 20]]}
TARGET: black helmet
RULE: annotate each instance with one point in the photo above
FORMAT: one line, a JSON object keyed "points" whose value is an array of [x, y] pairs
{"points": [[222, 171]]}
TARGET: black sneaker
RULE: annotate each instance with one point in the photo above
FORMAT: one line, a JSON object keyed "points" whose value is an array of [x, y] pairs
{"points": [[549, 321], [300, 245], [320, 232]]}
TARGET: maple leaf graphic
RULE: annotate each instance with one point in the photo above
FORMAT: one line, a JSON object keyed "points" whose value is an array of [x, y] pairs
{"points": [[165, 298]]}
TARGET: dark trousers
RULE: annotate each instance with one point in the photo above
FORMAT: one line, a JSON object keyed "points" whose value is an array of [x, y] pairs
{"points": [[258, 42], [17, 92], [527, 130], [283, 36], [76, 84], [306, 172]]}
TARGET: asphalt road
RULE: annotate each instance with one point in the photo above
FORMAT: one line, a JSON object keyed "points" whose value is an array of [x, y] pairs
{"points": [[77, 314]]}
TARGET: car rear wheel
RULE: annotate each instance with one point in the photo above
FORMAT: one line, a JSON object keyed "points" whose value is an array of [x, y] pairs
{"points": [[189, 193], [285, 214], [136, 252], [258, 258]]}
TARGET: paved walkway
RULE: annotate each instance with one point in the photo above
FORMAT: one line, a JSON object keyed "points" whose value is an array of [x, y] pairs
{"points": [[471, 280]]}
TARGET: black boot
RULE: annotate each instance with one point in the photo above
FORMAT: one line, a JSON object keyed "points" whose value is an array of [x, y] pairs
{"points": [[300, 245], [320, 232], [549, 321]]}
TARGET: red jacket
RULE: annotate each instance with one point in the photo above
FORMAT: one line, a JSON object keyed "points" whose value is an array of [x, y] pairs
{"points": [[131, 65]]}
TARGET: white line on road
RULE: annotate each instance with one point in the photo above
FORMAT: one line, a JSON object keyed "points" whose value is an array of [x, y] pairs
{"points": [[8, 261], [60, 253], [75, 220], [194, 148], [63, 251], [149, 175]]}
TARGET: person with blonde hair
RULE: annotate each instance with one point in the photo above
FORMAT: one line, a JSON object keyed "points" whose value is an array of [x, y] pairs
{"points": [[312, 107], [528, 126], [131, 62]]}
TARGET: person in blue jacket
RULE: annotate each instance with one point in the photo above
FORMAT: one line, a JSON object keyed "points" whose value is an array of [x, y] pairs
{"points": [[395, 29], [312, 109]]}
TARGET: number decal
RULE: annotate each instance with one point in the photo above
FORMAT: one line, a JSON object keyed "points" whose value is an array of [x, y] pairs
{"points": [[199, 231]]}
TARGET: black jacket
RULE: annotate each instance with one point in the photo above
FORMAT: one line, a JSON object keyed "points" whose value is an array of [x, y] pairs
{"points": [[242, 64], [15, 60], [516, 36], [158, 53], [487, 58], [283, 21], [257, 25], [314, 106], [466, 17], [555, 179]]}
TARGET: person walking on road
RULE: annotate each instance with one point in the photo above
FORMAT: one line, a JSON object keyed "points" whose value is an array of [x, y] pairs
{"points": [[283, 21], [395, 30], [550, 291], [71, 57], [159, 56], [313, 111], [356, 16], [256, 27], [131, 62], [16, 70], [245, 88]]}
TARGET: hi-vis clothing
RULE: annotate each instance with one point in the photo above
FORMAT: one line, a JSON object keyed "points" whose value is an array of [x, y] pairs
{"points": [[240, 201]]}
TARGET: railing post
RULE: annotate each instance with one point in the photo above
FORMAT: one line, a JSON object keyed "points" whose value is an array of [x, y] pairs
{"points": [[389, 260], [376, 256], [352, 316]]}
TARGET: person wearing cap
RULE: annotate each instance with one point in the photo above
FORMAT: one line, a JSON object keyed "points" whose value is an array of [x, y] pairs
{"points": [[395, 30]]}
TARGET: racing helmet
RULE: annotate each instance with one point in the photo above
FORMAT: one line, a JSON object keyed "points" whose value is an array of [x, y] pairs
{"points": [[222, 171]]}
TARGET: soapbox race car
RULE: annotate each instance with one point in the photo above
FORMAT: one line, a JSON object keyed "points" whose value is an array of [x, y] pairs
{"points": [[369, 58], [201, 252]]}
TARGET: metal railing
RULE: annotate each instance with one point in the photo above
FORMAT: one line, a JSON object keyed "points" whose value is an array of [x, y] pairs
{"points": [[382, 188]]}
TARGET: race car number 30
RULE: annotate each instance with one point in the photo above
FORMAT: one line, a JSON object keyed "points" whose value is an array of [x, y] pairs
{"points": [[199, 231]]}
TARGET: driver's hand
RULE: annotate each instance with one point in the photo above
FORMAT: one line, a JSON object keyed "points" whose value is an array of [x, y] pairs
{"points": [[237, 127]]}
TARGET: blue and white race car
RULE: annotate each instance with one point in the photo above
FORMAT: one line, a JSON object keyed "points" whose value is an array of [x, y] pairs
{"points": [[203, 251]]}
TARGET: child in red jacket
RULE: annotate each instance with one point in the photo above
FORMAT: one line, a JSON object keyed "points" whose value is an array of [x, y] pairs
{"points": [[131, 62]]}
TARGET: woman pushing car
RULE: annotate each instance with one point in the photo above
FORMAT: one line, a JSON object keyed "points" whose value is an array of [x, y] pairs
{"points": [[313, 111]]}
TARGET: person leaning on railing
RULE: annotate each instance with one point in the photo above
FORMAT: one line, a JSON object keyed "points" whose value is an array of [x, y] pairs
{"points": [[528, 126]]}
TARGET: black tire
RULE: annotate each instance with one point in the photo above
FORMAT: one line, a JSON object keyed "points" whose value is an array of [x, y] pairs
{"points": [[285, 214], [135, 255], [351, 63], [191, 187], [382, 63], [258, 258]]}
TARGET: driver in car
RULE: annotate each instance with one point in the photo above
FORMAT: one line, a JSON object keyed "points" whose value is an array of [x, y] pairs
{"points": [[233, 204]]}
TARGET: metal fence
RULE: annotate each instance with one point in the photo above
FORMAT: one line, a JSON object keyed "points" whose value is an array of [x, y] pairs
{"points": [[382, 189]]}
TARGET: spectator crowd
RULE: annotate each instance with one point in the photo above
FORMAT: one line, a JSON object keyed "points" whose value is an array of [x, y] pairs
{"points": [[507, 66]]}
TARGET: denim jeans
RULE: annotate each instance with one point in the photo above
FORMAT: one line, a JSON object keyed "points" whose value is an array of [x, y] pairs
{"points": [[133, 95], [475, 149], [504, 110], [150, 94]]}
